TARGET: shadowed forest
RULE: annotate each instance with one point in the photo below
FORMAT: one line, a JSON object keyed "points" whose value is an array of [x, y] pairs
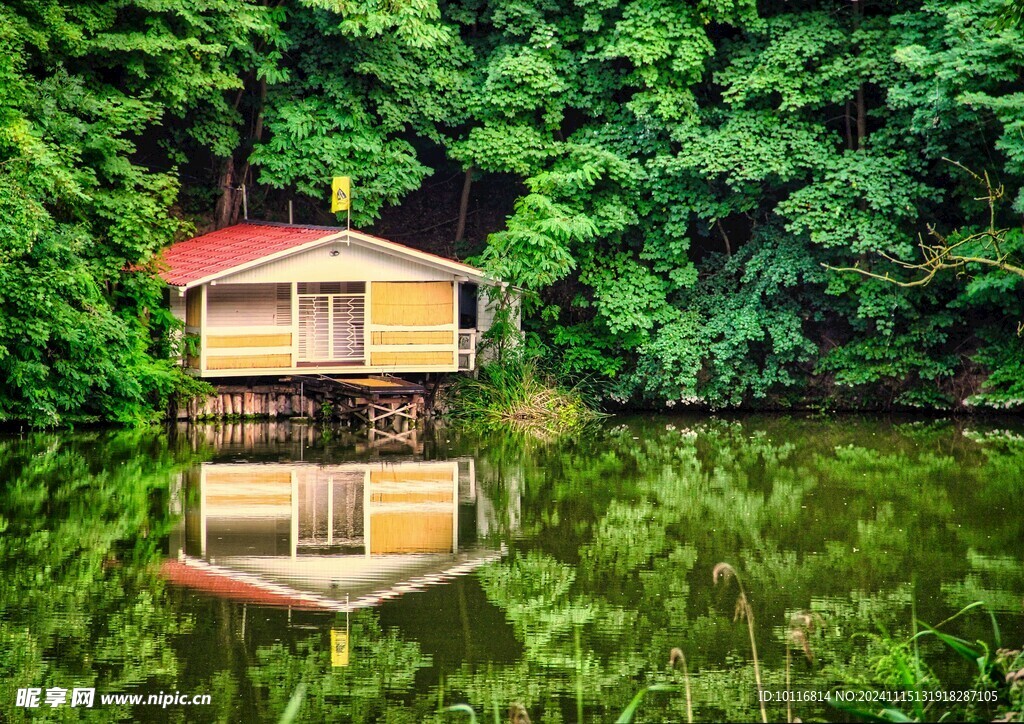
{"points": [[675, 186]]}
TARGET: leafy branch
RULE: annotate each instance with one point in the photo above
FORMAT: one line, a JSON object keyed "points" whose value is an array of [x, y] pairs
{"points": [[942, 253]]}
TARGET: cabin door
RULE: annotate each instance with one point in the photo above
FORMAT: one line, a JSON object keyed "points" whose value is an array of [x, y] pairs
{"points": [[331, 325]]}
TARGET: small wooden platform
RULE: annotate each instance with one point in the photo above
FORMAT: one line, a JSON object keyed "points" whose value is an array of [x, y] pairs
{"points": [[388, 406], [376, 386]]}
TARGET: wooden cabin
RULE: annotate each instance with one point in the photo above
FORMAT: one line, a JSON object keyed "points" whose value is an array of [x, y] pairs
{"points": [[309, 535], [263, 298], [296, 509]]}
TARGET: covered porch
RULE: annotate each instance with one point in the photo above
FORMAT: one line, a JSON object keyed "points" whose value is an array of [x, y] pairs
{"points": [[327, 327]]}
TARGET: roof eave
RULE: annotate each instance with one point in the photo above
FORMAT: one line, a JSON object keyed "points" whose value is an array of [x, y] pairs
{"points": [[453, 267], [312, 244], [456, 269]]}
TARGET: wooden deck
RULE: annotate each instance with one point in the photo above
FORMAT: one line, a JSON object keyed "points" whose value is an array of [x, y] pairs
{"points": [[377, 386]]}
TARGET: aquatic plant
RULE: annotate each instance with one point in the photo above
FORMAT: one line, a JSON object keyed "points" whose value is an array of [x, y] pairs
{"points": [[630, 711], [801, 626], [677, 655], [723, 572], [516, 393], [464, 709], [294, 704], [999, 676], [517, 714]]}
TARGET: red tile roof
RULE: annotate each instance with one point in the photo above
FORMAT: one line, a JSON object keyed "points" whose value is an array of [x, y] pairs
{"points": [[202, 256], [218, 584], [219, 251]]}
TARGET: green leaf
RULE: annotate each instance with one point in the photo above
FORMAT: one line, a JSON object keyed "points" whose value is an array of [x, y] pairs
{"points": [[630, 711]]}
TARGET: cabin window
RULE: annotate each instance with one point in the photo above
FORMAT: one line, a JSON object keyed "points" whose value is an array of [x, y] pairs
{"points": [[332, 321], [283, 313], [330, 510], [249, 305], [332, 288]]}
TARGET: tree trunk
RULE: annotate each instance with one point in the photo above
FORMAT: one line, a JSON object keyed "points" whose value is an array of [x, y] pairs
{"points": [[226, 203], [256, 137], [460, 229], [862, 121], [229, 205], [725, 238], [257, 131], [849, 127]]}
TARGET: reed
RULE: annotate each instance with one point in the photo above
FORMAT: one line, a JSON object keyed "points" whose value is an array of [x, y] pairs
{"points": [[462, 709], [515, 393], [674, 656], [626, 717], [798, 633], [517, 714], [789, 704], [294, 705], [724, 572]]}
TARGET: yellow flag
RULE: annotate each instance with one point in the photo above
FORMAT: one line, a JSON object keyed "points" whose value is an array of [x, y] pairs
{"points": [[339, 646], [341, 195]]}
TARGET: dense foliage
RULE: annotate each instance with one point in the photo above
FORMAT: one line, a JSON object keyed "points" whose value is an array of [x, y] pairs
{"points": [[82, 520], [85, 196], [716, 160], [683, 172]]}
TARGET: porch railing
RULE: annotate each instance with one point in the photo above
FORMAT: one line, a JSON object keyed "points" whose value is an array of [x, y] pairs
{"points": [[467, 349]]}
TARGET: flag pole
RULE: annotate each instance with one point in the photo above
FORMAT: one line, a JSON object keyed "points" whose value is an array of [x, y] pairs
{"points": [[341, 192]]}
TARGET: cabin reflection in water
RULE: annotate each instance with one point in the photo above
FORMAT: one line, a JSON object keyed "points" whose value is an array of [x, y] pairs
{"points": [[288, 532]]}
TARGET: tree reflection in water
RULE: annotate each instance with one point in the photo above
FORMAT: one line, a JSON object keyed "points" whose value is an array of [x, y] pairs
{"points": [[610, 541]]}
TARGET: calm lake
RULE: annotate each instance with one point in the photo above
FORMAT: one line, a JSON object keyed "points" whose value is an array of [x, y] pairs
{"points": [[396, 578]]}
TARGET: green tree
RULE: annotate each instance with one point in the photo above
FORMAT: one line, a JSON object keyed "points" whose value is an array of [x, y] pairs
{"points": [[355, 86], [83, 334], [744, 151]]}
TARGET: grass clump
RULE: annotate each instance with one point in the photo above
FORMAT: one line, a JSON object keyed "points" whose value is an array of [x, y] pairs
{"points": [[516, 393]]}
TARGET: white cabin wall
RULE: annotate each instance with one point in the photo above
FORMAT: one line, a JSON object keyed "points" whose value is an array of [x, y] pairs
{"points": [[486, 310], [177, 305], [352, 263]]}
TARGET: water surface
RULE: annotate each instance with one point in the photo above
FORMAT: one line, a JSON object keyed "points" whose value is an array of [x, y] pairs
{"points": [[394, 579]]}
